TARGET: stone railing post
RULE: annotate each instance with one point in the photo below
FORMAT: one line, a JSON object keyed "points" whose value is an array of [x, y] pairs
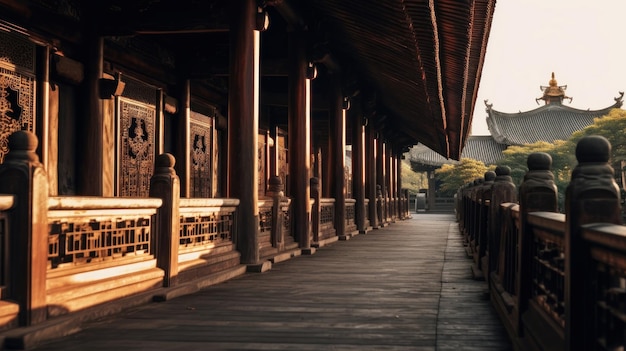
{"points": [[23, 176], [484, 202], [315, 213], [275, 191], [591, 197], [537, 192], [165, 185], [503, 190]]}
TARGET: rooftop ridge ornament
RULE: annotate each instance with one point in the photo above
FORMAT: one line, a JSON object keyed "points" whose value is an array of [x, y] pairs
{"points": [[553, 93]]}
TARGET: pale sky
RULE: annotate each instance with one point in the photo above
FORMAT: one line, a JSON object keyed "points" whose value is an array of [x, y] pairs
{"points": [[581, 41]]}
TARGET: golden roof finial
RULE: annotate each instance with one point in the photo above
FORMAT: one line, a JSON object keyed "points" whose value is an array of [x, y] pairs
{"points": [[554, 93]]}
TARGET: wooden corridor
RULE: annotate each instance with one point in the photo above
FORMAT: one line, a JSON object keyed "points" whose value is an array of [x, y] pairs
{"points": [[407, 286]]}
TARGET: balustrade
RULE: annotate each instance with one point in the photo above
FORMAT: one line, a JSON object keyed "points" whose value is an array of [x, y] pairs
{"points": [[557, 280]]}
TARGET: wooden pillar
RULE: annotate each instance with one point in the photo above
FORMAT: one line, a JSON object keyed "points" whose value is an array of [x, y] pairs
{"points": [[243, 125], [299, 138], [503, 190], [402, 198], [381, 180], [183, 132], [393, 181], [358, 166], [431, 189], [337, 154], [370, 174], [536, 193], [591, 197], [47, 149], [91, 178], [327, 169], [165, 185], [23, 176]]}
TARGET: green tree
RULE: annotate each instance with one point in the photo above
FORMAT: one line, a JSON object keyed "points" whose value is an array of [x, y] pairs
{"points": [[414, 181], [453, 176], [516, 156]]}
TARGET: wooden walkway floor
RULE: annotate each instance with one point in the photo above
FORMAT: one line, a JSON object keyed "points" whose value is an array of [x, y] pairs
{"points": [[407, 286]]}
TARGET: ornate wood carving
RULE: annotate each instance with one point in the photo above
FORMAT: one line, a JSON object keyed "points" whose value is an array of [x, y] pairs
{"points": [[17, 87], [202, 146]]}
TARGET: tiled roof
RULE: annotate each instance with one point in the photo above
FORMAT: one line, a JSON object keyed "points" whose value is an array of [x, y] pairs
{"points": [[547, 123], [483, 148]]}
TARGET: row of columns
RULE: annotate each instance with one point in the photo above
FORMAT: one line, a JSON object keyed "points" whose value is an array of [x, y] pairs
{"points": [[243, 136], [241, 165]]}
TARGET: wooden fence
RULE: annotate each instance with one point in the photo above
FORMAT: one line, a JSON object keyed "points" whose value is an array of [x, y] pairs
{"points": [[556, 277], [93, 255]]}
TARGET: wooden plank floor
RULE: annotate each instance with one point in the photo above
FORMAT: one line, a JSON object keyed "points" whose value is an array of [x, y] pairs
{"points": [[407, 286]]}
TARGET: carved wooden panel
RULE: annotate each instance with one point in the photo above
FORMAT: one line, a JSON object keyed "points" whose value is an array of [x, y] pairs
{"points": [[17, 87], [201, 146], [136, 147]]}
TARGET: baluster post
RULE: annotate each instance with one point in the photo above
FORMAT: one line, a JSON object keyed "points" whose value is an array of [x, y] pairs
{"points": [[165, 185], [484, 202], [538, 192], [275, 191], [591, 197], [503, 190], [23, 175], [315, 215]]}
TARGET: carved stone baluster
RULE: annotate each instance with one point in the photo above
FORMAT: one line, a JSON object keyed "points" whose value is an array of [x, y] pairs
{"points": [[503, 190], [536, 193], [23, 176], [591, 197], [165, 185]]}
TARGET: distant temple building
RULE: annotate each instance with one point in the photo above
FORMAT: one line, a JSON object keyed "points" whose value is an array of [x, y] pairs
{"points": [[550, 122]]}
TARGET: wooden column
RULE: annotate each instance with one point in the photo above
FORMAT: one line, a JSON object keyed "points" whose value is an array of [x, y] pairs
{"points": [[370, 174], [165, 185], [47, 149], [536, 193], [381, 178], [91, 178], [591, 197], [358, 166], [243, 125], [337, 154], [23, 176], [299, 138], [327, 169], [402, 200], [183, 132]]}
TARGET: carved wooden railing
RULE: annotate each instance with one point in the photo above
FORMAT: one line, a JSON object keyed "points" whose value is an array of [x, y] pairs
{"points": [[350, 217], [327, 219], [206, 224], [92, 243], [557, 280], [266, 214]]}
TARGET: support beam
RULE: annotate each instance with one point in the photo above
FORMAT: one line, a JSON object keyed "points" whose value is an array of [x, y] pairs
{"points": [[337, 153], [299, 138], [243, 125]]}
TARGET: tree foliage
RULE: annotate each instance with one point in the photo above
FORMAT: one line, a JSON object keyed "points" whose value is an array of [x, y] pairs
{"points": [[453, 176], [611, 126], [414, 181]]}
